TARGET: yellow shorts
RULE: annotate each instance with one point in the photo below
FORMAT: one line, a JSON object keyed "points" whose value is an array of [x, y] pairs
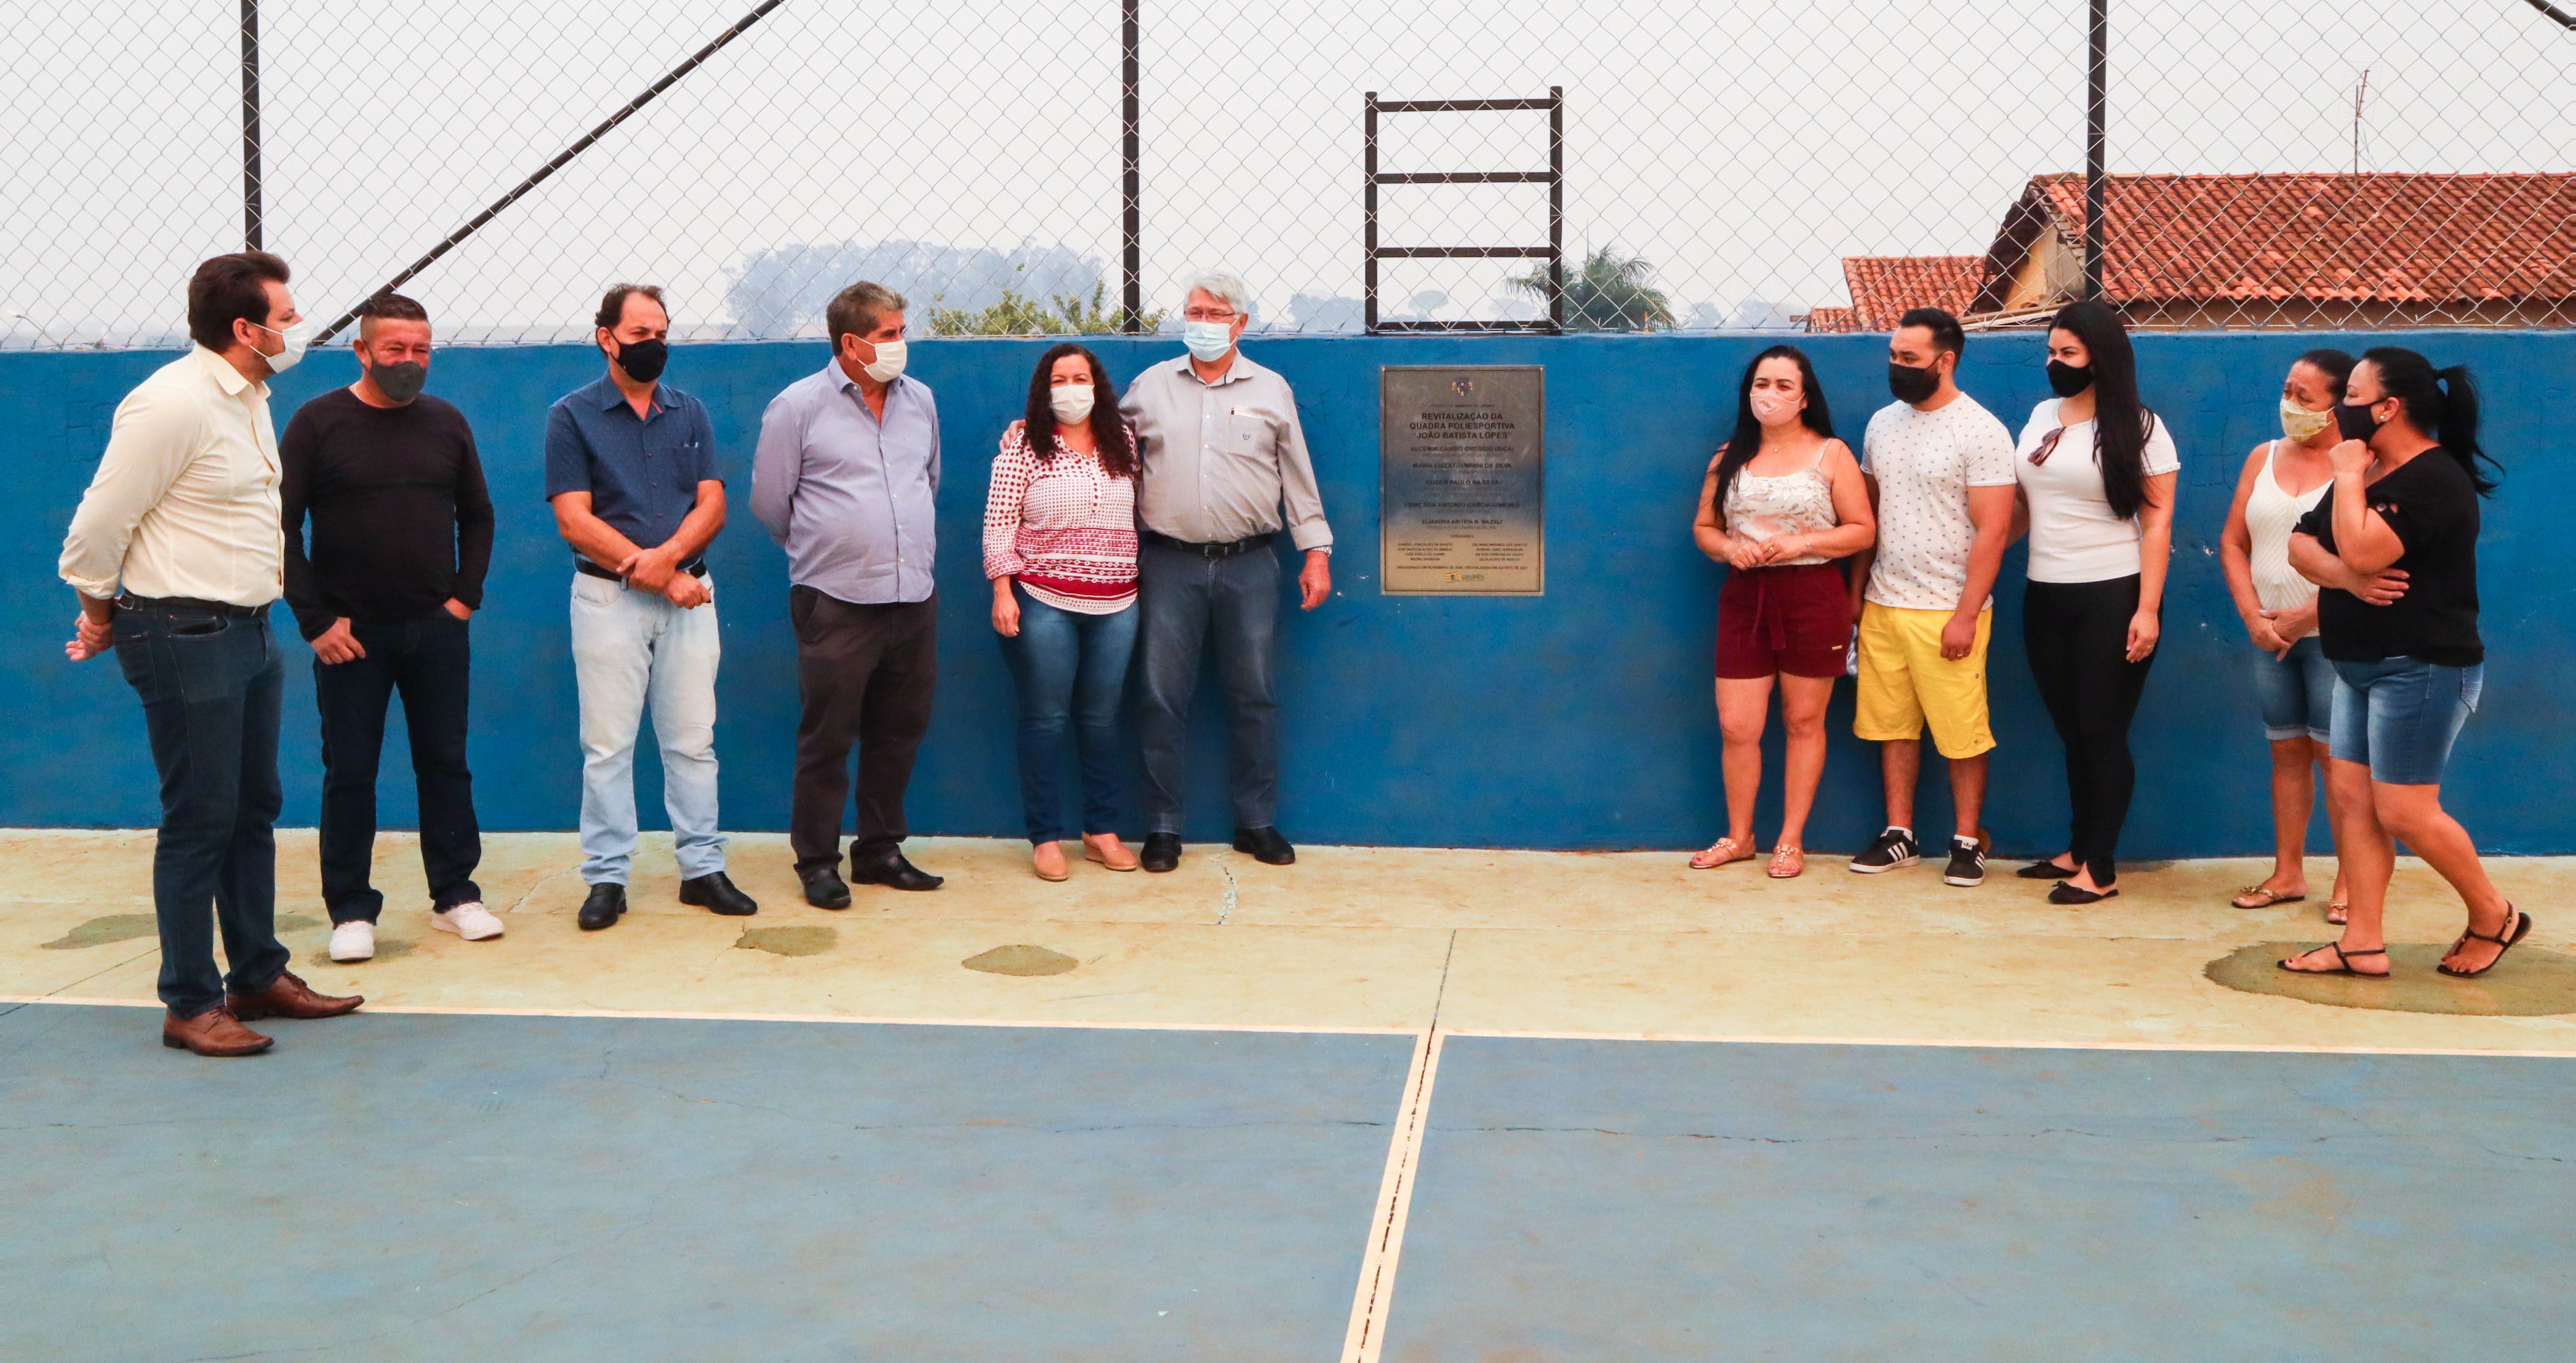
{"points": [[1904, 681]]}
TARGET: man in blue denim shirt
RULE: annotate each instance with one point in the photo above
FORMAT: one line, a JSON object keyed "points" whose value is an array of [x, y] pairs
{"points": [[631, 471]]}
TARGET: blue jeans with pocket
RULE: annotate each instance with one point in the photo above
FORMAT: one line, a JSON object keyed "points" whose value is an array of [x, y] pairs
{"points": [[2296, 692], [211, 686], [1194, 606], [2399, 716], [1071, 670]]}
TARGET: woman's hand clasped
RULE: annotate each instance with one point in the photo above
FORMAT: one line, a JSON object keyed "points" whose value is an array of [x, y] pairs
{"points": [[2349, 456], [1745, 552]]}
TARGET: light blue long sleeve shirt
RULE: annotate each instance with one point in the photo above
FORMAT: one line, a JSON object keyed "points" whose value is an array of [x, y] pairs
{"points": [[853, 501]]}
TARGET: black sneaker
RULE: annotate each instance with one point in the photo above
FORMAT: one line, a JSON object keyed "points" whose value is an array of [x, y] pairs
{"points": [[1967, 864], [1894, 849]]}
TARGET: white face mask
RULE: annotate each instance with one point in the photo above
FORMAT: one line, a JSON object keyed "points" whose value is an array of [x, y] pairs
{"points": [[297, 336], [888, 365], [1208, 341], [1071, 402], [1774, 408], [2300, 424]]}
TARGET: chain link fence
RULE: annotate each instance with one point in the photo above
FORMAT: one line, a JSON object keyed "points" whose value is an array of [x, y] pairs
{"points": [[1712, 165]]}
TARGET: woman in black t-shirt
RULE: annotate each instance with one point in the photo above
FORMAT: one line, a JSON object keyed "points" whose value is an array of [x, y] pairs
{"points": [[2394, 550]]}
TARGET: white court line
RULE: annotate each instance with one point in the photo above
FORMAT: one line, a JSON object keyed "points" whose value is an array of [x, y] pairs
{"points": [[840, 1018], [2214, 1047], [1394, 1202]]}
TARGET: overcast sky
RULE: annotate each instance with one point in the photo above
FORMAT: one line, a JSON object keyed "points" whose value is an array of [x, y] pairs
{"points": [[1742, 149]]}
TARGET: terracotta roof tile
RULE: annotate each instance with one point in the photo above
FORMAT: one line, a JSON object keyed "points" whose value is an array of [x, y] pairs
{"points": [[2346, 238], [1883, 287]]}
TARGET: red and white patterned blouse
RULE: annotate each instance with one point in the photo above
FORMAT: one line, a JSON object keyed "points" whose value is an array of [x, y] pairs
{"points": [[1063, 526]]}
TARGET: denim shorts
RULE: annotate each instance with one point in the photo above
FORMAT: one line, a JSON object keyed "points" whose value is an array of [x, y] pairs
{"points": [[2399, 716], [2297, 692]]}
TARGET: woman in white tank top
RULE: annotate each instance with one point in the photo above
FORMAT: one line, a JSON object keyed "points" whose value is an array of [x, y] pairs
{"points": [[2282, 480]]}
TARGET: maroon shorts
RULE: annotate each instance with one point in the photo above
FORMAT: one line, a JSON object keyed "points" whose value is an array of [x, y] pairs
{"points": [[1795, 620]]}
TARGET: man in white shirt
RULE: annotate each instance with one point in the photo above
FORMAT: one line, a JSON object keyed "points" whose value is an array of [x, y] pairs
{"points": [[1225, 470], [1940, 473], [176, 552]]}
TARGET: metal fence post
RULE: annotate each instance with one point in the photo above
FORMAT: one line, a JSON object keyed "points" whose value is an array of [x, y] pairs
{"points": [[2097, 74], [1133, 153], [250, 124]]}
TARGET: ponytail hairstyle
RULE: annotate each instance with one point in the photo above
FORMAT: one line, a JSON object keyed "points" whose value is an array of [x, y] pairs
{"points": [[2443, 405], [2334, 364], [2121, 421], [1747, 440], [1108, 427]]}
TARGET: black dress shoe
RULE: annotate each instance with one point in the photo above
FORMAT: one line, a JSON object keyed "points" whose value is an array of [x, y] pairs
{"points": [[1266, 846], [891, 870], [715, 893], [606, 903], [823, 887], [1162, 852]]}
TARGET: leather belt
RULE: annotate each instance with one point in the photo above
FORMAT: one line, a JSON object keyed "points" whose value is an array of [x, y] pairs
{"points": [[129, 601], [696, 567], [1244, 546]]}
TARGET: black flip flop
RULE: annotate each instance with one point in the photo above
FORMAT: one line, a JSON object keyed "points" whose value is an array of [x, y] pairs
{"points": [[2503, 944], [2343, 963]]}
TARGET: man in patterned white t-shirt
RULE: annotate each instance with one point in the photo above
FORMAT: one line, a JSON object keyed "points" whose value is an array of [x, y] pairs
{"points": [[1940, 474]]}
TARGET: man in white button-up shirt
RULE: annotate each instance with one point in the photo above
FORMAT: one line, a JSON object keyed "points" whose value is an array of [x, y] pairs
{"points": [[1225, 469], [176, 552]]}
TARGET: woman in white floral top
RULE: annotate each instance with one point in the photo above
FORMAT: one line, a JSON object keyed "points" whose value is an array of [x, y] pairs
{"points": [[1060, 547]]}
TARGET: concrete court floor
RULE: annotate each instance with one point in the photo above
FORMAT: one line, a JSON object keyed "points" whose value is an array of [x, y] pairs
{"points": [[2170, 1164]]}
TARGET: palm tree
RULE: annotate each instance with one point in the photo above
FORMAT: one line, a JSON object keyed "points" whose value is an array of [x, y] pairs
{"points": [[1610, 293]]}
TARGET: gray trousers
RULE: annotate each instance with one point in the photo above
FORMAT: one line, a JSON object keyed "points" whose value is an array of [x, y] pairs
{"points": [[1193, 605]]}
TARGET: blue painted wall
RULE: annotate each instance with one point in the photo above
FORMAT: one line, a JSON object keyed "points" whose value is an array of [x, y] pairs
{"points": [[1582, 719]]}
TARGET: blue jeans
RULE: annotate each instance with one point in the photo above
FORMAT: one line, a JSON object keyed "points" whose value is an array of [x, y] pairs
{"points": [[210, 686], [2297, 692], [1192, 604], [2399, 716], [1069, 667], [630, 650]]}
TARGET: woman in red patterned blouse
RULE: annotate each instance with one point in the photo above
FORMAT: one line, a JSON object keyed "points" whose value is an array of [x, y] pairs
{"points": [[1060, 547]]}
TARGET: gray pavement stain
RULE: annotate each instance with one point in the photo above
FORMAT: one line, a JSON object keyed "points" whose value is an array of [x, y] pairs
{"points": [[1020, 959], [802, 940], [2530, 982], [99, 932]]}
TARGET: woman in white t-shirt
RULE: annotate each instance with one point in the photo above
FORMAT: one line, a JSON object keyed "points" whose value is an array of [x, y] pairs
{"points": [[2096, 473]]}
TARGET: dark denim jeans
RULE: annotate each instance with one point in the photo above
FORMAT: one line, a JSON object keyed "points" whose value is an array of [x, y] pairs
{"points": [[1191, 605], [210, 686], [430, 662], [1069, 667]]}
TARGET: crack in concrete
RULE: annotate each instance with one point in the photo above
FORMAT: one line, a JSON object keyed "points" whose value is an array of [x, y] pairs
{"points": [[1233, 893]]}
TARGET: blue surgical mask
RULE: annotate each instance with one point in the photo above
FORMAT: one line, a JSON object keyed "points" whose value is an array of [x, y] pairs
{"points": [[1208, 341]]}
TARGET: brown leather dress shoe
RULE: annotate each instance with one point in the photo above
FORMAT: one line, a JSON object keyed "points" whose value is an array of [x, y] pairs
{"points": [[213, 1032], [289, 998]]}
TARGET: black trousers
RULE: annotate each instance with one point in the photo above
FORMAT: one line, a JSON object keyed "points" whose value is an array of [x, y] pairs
{"points": [[2077, 637], [865, 674], [430, 663]]}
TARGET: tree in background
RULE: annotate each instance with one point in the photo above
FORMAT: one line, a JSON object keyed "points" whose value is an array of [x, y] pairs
{"points": [[1609, 293], [1013, 315]]}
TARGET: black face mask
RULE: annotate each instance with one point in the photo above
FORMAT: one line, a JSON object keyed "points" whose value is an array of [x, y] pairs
{"points": [[643, 360], [400, 383], [2356, 423], [1911, 384], [2065, 380]]}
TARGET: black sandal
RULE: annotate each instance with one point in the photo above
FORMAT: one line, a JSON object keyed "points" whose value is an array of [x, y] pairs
{"points": [[2503, 945], [2343, 962]]}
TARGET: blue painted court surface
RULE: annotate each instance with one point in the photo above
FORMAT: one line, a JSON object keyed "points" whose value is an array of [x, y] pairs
{"points": [[442, 1187]]}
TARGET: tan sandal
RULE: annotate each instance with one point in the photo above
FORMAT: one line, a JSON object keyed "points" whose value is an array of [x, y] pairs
{"points": [[2262, 898], [1719, 853], [1787, 861]]}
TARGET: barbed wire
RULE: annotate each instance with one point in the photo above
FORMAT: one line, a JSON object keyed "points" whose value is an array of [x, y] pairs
{"points": [[1722, 165]]}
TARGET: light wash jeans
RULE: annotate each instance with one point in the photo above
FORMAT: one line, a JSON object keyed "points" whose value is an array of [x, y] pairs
{"points": [[630, 648]]}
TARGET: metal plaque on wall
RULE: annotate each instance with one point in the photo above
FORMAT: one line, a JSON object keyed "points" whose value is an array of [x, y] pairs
{"points": [[1462, 459]]}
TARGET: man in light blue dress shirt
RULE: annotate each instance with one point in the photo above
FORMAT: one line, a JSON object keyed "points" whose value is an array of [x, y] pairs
{"points": [[846, 479]]}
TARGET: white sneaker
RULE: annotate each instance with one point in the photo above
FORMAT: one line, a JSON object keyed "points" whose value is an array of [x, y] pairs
{"points": [[353, 941], [469, 920]]}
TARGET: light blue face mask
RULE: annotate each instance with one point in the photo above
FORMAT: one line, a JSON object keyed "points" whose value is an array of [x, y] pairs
{"points": [[1208, 341]]}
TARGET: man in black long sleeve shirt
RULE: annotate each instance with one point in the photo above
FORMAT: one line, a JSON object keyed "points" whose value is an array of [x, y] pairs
{"points": [[402, 534]]}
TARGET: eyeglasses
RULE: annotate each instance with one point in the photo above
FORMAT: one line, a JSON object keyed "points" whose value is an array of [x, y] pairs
{"points": [[1208, 315], [2047, 447]]}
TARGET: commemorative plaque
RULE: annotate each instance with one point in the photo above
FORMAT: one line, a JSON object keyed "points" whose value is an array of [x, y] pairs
{"points": [[1461, 453]]}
